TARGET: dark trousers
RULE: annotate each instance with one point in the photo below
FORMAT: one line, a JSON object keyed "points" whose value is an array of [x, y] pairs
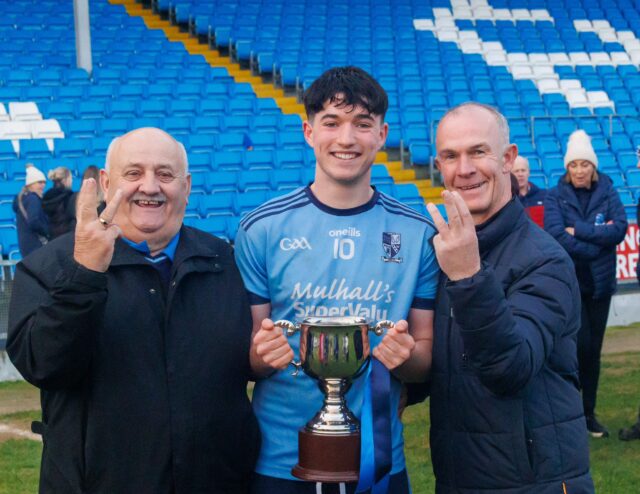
{"points": [[398, 484], [595, 312]]}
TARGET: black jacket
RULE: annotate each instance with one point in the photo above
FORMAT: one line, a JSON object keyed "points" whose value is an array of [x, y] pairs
{"points": [[143, 388], [506, 413], [58, 204]]}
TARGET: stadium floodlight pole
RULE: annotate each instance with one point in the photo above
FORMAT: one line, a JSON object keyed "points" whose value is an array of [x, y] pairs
{"points": [[83, 35]]}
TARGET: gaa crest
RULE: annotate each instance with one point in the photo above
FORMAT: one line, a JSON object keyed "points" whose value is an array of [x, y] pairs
{"points": [[391, 244]]}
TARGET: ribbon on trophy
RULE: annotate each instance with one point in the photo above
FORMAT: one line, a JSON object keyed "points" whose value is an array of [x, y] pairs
{"points": [[375, 423]]}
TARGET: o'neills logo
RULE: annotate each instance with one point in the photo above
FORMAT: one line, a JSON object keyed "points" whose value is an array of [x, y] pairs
{"points": [[375, 291], [345, 232]]}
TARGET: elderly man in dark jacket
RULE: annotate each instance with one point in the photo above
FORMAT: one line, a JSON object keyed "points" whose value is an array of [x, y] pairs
{"points": [[506, 415], [136, 330]]}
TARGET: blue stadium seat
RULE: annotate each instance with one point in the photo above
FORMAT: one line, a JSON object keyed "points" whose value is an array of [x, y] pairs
{"points": [[232, 141], [258, 159], [633, 178], [212, 107], [201, 143], [228, 160], [181, 108], [380, 175], [218, 204], [290, 158], [222, 181], [6, 151], [114, 127], [8, 239], [70, 148], [99, 146], [250, 200], [215, 225], [148, 108], [200, 164], [264, 141], [199, 186], [250, 180], [420, 154], [34, 149], [177, 126], [286, 179]]}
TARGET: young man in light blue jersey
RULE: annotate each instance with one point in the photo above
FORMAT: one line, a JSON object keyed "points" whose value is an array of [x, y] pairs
{"points": [[336, 247]]}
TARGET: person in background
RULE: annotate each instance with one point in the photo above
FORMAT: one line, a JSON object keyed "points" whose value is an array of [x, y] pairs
{"points": [[93, 172], [32, 223], [585, 215], [633, 432], [59, 202], [531, 196]]}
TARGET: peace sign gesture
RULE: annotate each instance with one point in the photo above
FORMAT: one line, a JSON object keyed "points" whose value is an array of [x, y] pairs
{"points": [[456, 243], [95, 236]]}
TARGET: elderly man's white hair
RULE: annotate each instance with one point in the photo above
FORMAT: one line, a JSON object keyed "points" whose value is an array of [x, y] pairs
{"points": [[503, 125], [115, 140]]}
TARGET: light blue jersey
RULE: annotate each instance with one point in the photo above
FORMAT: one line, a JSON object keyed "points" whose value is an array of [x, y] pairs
{"points": [[307, 259]]}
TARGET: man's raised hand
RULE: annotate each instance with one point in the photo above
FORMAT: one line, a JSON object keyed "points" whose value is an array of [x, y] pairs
{"points": [[95, 236], [456, 243]]}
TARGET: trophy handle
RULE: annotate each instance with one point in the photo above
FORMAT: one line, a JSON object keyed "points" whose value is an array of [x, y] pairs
{"points": [[379, 328], [290, 329]]}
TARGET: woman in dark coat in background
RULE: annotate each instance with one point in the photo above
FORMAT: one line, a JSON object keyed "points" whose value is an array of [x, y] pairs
{"points": [[31, 222], [59, 202], [585, 215]]}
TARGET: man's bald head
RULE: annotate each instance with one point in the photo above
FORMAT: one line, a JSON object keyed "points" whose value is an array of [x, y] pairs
{"points": [[147, 132], [521, 171]]}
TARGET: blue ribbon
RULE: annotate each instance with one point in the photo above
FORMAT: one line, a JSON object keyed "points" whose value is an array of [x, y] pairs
{"points": [[375, 430]]}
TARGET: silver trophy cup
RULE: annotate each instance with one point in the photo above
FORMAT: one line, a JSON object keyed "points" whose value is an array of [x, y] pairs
{"points": [[333, 350]]}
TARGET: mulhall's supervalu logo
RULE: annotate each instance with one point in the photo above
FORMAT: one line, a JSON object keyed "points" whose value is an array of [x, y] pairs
{"points": [[391, 243]]}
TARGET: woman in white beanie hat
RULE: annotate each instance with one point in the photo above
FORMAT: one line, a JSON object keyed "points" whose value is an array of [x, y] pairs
{"points": [[33, 227], [584, 213]]}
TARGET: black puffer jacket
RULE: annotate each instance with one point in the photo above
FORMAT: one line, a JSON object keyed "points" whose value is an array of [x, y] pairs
{"points": [[58, 204], [143, 387], [506, 413]]}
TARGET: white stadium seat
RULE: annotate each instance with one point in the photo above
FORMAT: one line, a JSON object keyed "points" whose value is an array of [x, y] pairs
{"points": [[24, 111], [46, 129]]}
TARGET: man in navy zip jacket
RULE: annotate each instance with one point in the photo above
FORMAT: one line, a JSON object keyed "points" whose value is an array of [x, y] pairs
{"points": [[506, 414]]}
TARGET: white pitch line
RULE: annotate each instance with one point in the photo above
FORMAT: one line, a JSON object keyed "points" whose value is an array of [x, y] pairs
{"points": [[14, 431]]}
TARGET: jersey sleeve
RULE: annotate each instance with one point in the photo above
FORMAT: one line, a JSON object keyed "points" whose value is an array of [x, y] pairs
{"points": [[425, 295], [250, 253]]}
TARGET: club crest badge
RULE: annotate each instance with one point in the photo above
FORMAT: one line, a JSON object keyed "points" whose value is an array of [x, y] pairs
{"points": [[391, 245]]}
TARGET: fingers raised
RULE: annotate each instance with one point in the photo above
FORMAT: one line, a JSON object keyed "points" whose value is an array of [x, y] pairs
{"points": [[437, 218], [112, 206], [463, 209], [86, 203], [450, 205]]}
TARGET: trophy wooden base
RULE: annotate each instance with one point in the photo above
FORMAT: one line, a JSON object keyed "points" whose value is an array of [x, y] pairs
{"points": [[326, 458]]}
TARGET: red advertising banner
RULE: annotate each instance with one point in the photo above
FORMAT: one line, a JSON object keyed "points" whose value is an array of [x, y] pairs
{"points": [[627, 252]]}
